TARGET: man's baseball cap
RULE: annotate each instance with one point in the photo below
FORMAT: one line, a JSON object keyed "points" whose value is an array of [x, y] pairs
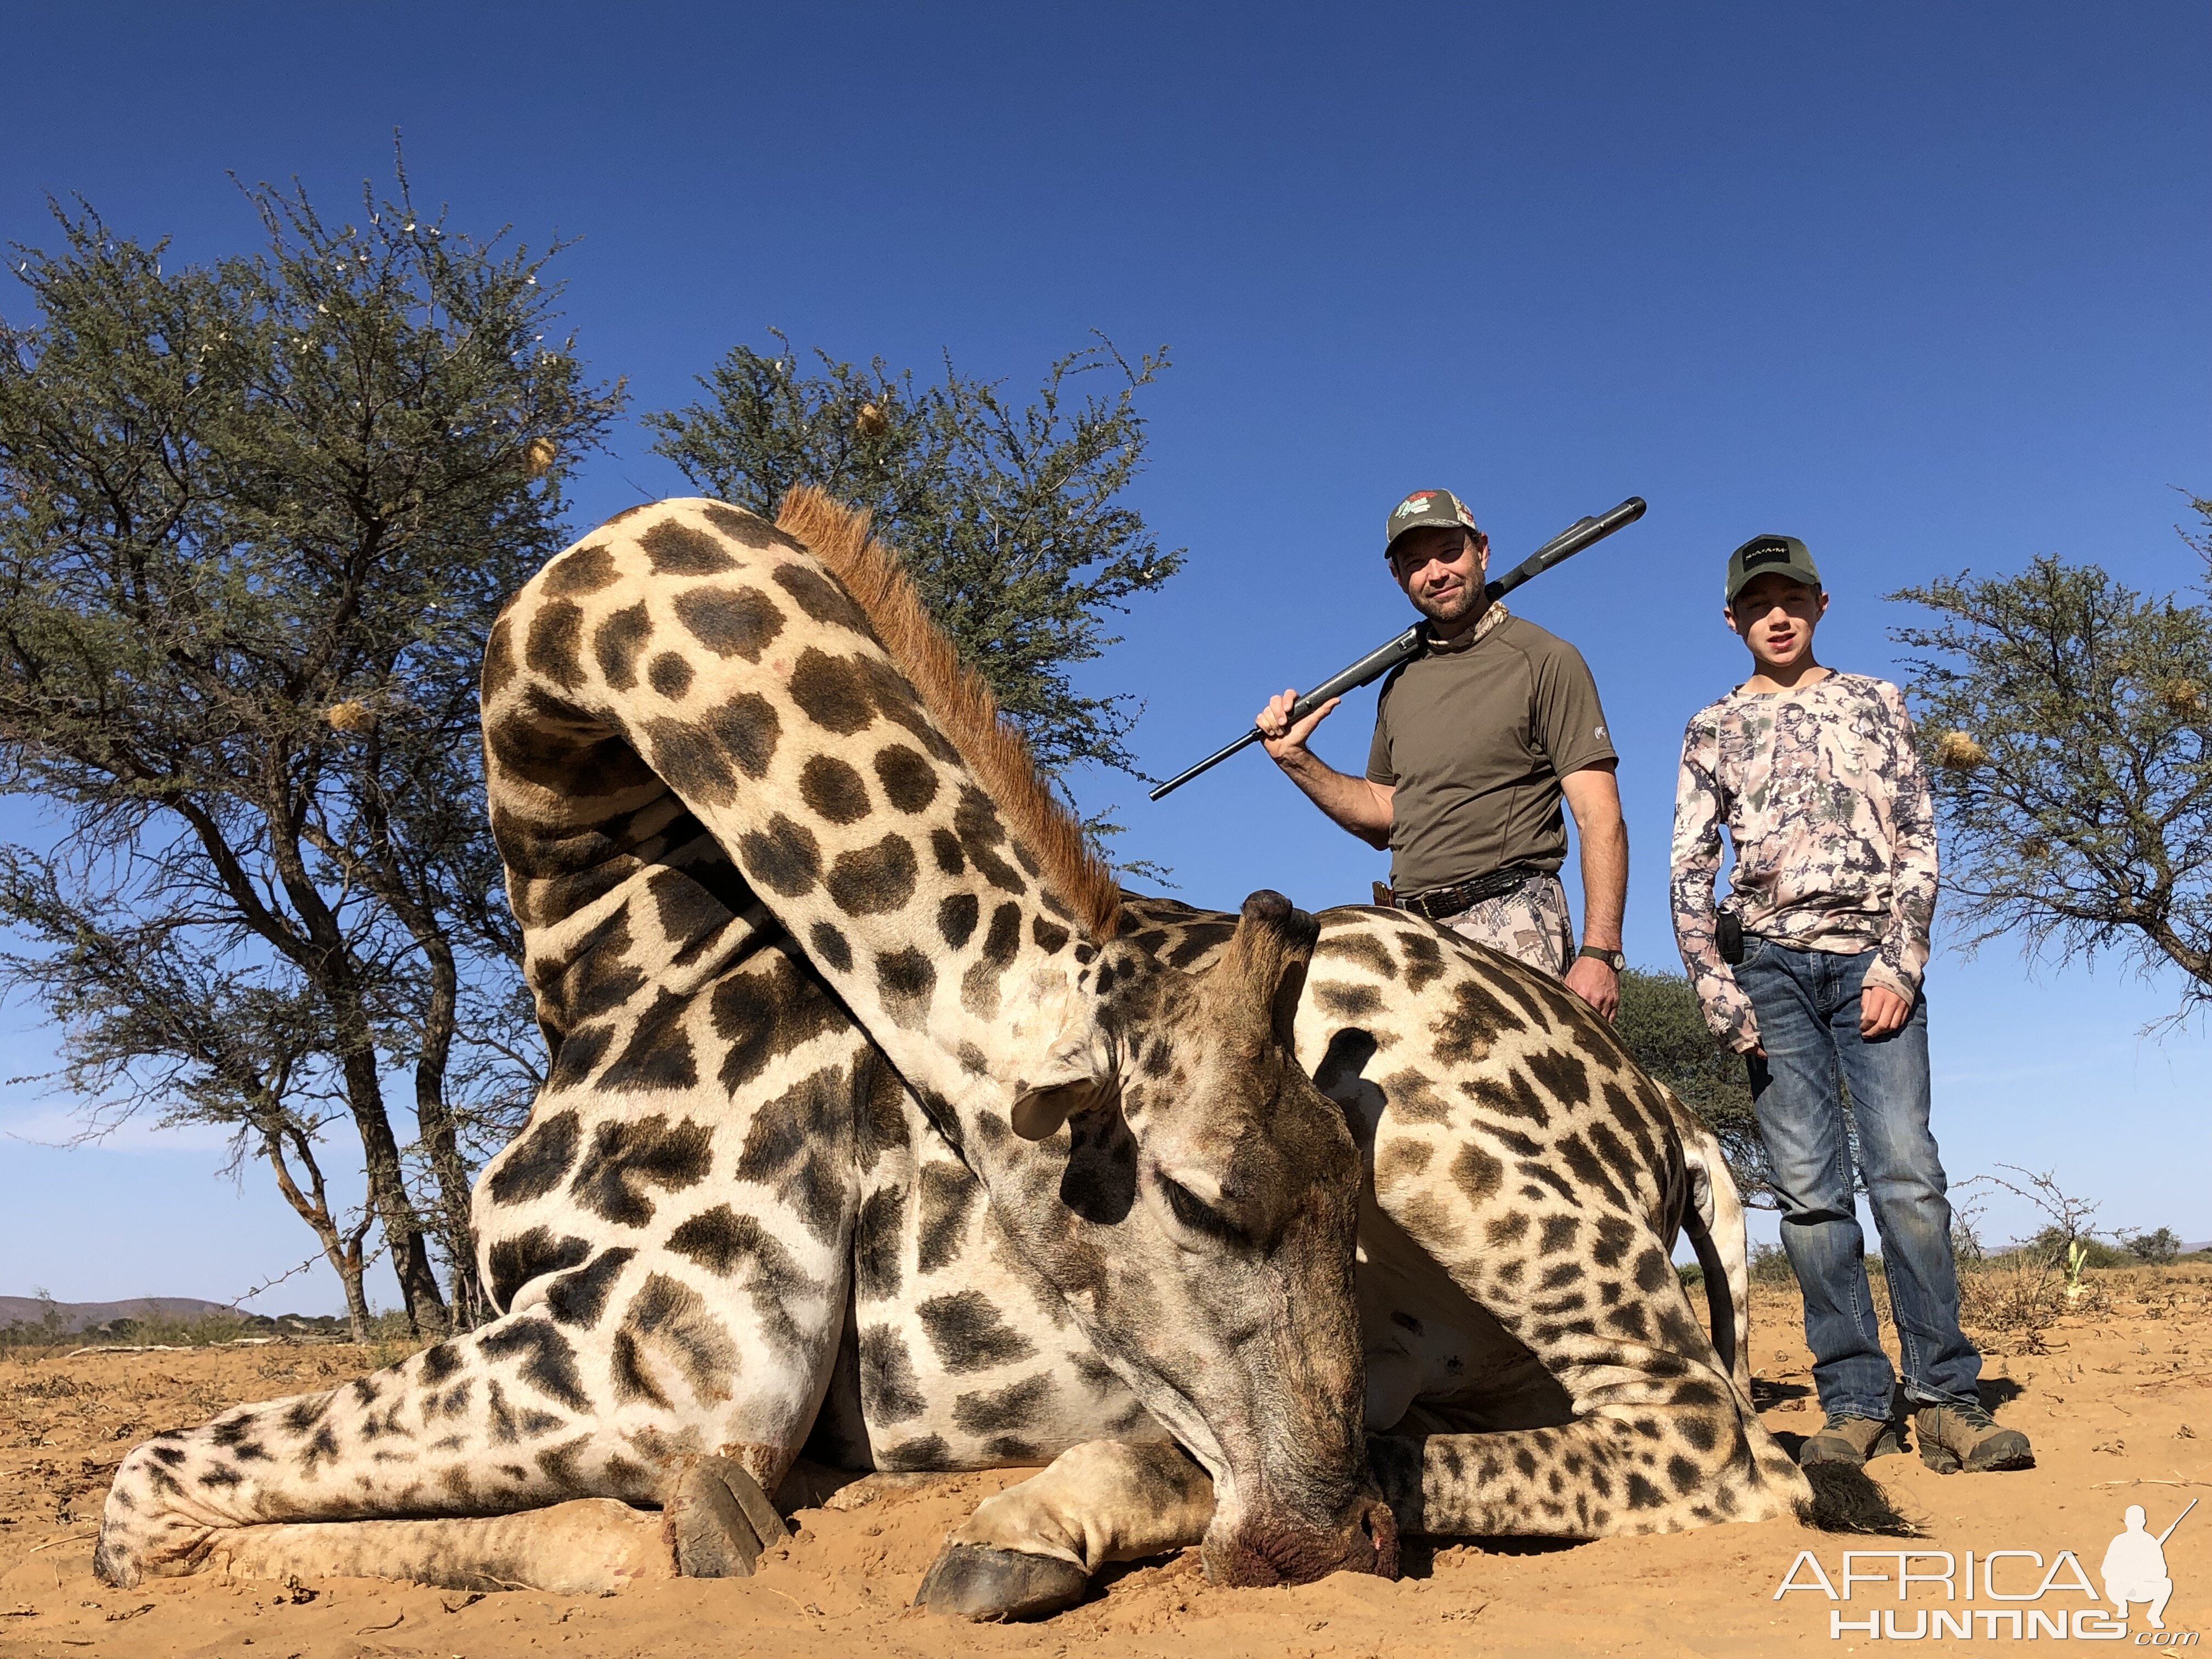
{"points": [[1771, 555], [1424, 509]]}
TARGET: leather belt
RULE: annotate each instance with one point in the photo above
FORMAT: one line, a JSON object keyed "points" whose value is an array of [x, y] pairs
{"points": [[1441, 902]]}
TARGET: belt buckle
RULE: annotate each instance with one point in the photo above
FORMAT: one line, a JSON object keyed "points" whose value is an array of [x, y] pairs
{"points": [[1433, 905]]}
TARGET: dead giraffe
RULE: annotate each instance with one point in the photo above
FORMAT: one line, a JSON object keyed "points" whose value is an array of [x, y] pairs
{"points": [[1075, 1201]]}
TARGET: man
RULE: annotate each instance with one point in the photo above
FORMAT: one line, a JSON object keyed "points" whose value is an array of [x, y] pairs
{"points": [[1813, 971], [1476, 742]]}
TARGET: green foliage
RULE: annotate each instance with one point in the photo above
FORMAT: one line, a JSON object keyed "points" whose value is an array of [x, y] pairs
{"points": [[1770, 1264], [255, 520], [1009, 518], [2157, 1247], [2069, 723], [46, 1331], [2072, 1253], [228, 1325], [1661, 1024]]}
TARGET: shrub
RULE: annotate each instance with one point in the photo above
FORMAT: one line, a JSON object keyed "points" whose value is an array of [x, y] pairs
{"points": [[1660, 1024], [1770, 1264], [2058, 1245], [2158, 1247]]}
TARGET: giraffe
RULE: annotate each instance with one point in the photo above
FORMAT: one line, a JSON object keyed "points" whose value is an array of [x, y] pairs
{"points": [[1098, 1205]]}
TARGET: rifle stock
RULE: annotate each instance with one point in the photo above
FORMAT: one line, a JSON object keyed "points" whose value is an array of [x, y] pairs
{"points": [[1376, 663]]}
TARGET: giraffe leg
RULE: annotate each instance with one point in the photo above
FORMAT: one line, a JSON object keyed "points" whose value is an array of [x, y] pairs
{"points": [[586, 1546], [504, 1420], [1031, 1550], [618, 1370], [642, 1329], [715, 1523], [1661, 1438]]}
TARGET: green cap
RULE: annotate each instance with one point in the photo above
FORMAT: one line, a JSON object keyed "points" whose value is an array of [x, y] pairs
{"points": [[1771, 555], [1423, 509]]}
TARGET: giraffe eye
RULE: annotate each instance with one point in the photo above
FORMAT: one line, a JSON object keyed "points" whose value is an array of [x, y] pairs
{"points": [[1195, 1214]]}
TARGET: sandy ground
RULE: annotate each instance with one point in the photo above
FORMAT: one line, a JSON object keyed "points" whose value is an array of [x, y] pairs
{"points": [[2119, 1407]]}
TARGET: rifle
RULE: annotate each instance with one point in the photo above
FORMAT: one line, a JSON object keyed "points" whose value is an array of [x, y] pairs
{"points": [[2178, 1520], [1408, 645]]}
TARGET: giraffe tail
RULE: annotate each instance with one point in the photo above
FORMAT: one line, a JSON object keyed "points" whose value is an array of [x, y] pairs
{"points": [[1846, 1499], [1714, 1219]]}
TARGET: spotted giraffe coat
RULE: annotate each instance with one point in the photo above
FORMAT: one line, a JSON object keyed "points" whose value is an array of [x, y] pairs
{"points": [[750, 1206]]}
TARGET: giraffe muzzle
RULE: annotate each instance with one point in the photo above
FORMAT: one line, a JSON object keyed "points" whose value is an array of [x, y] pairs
{"points": [[1261, 1551]]}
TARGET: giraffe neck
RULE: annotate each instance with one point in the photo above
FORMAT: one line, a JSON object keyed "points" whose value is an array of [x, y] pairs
{"points": [[717, 651]]}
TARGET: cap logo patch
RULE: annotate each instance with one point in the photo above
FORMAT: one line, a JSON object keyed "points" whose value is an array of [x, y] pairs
{"points": [[1768, 554], [1412, 504]]}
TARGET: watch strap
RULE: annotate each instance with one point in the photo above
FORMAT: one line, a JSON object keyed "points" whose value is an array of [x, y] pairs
{"points": [[1613, 959]]}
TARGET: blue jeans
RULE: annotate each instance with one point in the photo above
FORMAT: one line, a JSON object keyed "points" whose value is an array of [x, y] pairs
{"points": [[1808, 1004]]}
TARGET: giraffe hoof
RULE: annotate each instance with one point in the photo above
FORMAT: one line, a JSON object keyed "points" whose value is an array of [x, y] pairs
{"points": [[113, 1565], [974, 1581], [718, 1520]]}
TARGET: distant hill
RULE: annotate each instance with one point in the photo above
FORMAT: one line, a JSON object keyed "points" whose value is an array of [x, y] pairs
{"points": [[76, 1316]]}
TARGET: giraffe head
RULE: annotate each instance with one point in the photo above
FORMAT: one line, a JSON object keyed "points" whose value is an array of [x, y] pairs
{"points": [[1196, 1198]]}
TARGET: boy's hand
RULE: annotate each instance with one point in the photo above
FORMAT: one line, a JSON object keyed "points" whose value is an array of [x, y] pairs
{"points": [[1880, 1012]]}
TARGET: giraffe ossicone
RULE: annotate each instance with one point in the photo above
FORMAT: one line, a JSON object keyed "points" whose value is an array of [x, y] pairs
{"points": [[879, 1125]]}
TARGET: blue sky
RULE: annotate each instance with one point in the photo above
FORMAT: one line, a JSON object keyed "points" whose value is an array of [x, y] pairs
{"points": [[1923, 284]]}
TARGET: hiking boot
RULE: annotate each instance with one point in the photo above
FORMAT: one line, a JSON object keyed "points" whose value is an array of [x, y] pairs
{"points": [[1953, 1437], [1850, 1440]]}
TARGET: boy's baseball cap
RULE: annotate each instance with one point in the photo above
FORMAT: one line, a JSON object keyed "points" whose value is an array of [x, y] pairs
{"points": [[1423, 509], [1771, 555]]}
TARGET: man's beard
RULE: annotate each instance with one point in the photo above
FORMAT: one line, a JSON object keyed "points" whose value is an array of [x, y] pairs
{"points": [[1466, 602]]}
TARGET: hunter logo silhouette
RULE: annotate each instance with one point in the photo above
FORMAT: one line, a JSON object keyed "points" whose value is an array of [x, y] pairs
{"points": [[2135, 1566]]}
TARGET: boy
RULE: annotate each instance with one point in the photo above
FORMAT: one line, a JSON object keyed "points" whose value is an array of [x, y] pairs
{"points": [[1812, 971]]}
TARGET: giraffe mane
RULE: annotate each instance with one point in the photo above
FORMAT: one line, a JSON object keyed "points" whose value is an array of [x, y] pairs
{"points": [[957, 699]]}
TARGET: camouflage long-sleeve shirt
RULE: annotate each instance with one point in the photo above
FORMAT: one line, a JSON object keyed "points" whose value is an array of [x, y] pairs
{"points": [[1833, 829]]}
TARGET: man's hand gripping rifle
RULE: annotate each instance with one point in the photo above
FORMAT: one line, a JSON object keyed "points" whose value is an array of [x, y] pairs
{"points": [[1376, 663]]}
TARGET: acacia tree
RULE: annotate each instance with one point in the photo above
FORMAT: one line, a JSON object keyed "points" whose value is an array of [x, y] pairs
{"points": [[255, 519], [2068, 720], [1661, 1024], [1008, 516]]}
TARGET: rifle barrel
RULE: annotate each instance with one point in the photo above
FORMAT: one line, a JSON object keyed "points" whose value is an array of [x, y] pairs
{"points": [[1376, 663], [2178, 1520]]}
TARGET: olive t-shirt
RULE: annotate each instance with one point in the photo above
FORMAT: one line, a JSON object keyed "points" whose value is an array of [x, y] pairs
{"points": [[1474, 739]]}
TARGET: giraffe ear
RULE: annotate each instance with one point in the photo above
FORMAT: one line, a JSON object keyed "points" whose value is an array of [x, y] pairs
{"points": [[1039, 1112], [1077, 1074]]}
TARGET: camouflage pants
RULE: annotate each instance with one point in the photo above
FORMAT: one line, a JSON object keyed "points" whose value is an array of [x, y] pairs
{"points": [[1530, 924]]}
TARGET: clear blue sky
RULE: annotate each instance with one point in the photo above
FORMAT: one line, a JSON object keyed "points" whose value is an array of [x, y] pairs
{"points": [[1924, 284]]}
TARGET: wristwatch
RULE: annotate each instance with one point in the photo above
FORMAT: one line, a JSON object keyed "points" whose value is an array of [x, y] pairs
{"points": [[1611, 959]]}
